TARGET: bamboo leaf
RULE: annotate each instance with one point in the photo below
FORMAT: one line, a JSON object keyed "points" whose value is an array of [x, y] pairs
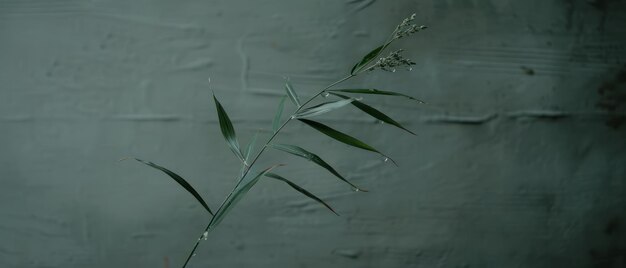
{"points": [[180, 181], [250, 147], [375, 91], [237, 195], [367, 58], [374, 113], [279, 114], [301, 152], [323, 108], [227, 130], [342, 137], [292, 94], [300, 189]]}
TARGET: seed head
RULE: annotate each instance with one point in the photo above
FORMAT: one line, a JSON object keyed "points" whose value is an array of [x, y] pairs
{"points": [[392, 61], [406, 28]]}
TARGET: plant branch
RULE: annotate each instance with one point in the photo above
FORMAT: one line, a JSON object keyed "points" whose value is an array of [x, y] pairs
{"points": [[247, 168]]}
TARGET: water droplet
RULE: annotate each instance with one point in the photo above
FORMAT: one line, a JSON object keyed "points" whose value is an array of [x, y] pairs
{"points": [[357, 189], [410, 68], [293, 117], [386, 159], [371, 90], [193, 255], [325, 95], [393, 71], [205, 235], [381, 122]]}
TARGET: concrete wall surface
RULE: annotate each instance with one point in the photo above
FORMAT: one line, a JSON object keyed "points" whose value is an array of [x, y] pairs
{"points": [[519, 158]]}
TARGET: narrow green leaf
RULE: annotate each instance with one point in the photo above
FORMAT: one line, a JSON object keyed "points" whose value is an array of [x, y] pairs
{"points": [[323, 108], [248, 152], [374, 113], [300, 189], [365, 60], [250, 147], [375, 91], [180, 181], [279, 114], [342, 137], [236, 197], [301, 152], [292, 94], [227, 130]]}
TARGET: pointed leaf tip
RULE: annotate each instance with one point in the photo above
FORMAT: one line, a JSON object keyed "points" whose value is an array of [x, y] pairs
{"points": [[342, 137], [180, 181], [376, 92], [228, 131], [250, 147], [292, 94], [301, 152], [279, 114], [301, 190], [374, 113]]}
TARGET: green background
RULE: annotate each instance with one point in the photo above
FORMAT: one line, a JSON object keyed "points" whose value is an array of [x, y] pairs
{"points": [[519, 158]]}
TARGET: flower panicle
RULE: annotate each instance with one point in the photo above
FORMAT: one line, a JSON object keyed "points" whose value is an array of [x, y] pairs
{"points": [[393, 61], [406, 28]]}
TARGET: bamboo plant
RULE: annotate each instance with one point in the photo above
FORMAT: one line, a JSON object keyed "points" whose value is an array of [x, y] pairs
{"points": [[247, 177]]}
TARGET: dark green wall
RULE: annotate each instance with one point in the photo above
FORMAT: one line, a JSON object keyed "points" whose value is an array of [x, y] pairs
{"points": [[519, 158]]}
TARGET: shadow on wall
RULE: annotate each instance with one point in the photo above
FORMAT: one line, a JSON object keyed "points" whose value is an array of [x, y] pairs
{"points": [[602, 234], [613, 254], [613, 99]]}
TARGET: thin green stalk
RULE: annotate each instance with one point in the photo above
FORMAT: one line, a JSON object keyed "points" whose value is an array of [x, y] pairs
{"points": [[248, 167]]}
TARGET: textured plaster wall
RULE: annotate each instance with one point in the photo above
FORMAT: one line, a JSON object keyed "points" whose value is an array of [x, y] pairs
{"points": [[519, 161]]}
